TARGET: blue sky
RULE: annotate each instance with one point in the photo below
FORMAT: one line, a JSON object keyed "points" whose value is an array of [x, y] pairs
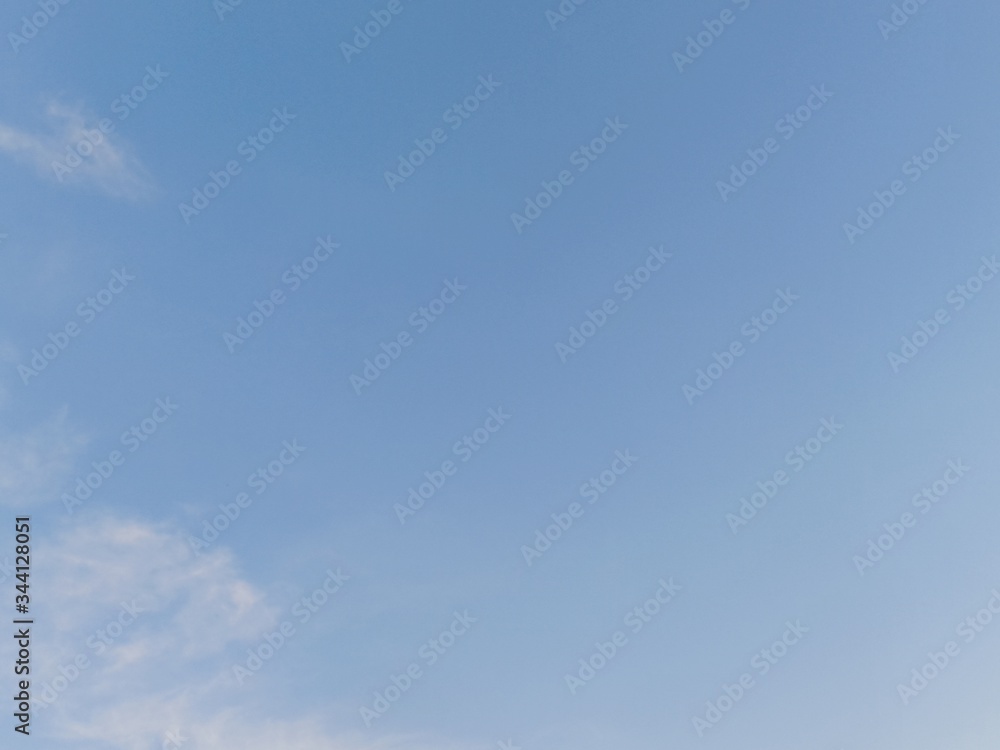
{"points": [[465, 313]]}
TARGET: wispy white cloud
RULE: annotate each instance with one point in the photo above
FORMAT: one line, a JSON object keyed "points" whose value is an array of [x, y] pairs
{"points": [[35, 464], [164, 682], [75, 151], [157, 722], [200, 601]]}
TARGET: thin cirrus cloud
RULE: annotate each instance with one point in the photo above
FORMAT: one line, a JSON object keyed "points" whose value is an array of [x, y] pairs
{"points": [[148, 689], [34, 464], [76, 152]]}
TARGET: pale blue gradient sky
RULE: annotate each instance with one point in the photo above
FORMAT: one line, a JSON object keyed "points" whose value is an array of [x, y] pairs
{"points": [[494, 347]]}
